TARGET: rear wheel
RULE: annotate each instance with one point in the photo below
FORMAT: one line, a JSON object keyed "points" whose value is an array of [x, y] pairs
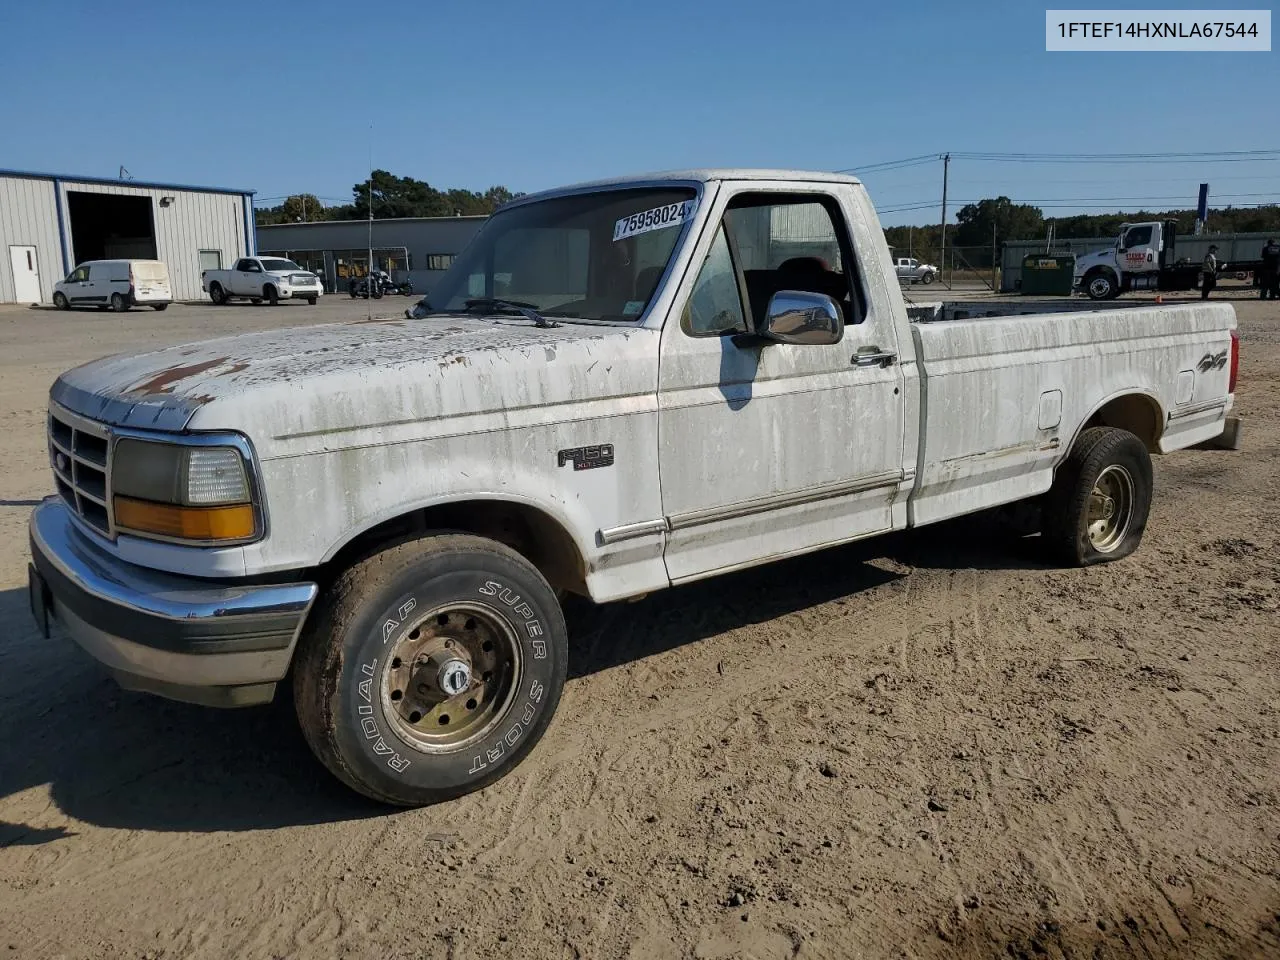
{"points": [[217, 294], [926, 278], [160, 307], [60, 301], [1097, 509], [431, 669], [118, 303], [270, 295]]}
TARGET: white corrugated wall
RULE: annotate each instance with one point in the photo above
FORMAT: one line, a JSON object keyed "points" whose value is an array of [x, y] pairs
{"points": [[193, 222], [29, 218]]}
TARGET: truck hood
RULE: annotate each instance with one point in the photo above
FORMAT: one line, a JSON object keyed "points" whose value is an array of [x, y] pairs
{"points": [[310, 381], [1092, 260]]}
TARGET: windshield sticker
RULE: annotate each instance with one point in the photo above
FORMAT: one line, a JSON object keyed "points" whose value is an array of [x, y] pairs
{"points": [[658, 218], [632, 307]]}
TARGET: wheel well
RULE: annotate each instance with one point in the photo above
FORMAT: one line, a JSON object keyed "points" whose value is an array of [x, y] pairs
{"points": [[536, 536], [1135, 412]]}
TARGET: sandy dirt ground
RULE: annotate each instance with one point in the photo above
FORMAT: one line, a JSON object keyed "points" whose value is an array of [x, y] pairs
{"points": [[927, 745]]}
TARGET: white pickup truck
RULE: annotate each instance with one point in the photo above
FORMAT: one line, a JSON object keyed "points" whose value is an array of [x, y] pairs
{"points": [[262, 278], [617, 387], [911, 270]]}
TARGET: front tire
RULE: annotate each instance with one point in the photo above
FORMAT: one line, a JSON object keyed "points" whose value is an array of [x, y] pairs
{"points": [[271, 295], [60, 301], [1101, 286], [311, 301], [1096, 510], [431, 669]]}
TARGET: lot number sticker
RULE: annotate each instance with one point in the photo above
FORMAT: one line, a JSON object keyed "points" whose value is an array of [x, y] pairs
{"points": [[658, 218]]}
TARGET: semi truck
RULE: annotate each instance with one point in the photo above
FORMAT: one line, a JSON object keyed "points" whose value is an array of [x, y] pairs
{"points": [[1145, 257]]}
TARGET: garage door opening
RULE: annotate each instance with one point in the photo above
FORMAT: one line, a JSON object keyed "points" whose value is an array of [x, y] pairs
{"points": [[109, 227]]}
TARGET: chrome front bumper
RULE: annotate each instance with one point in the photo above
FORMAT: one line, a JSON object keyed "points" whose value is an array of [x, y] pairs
{"points": [[202, 641]]}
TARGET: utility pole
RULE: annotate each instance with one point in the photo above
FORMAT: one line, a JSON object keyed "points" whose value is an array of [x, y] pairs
{"points": [[911, 233], [994, 266], [946, 166]]}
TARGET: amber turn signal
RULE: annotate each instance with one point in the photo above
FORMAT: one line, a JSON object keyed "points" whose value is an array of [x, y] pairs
{"points": [[186, 523]]}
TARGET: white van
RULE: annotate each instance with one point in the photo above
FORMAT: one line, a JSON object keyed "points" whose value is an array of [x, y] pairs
{"points": [[118, 284]]}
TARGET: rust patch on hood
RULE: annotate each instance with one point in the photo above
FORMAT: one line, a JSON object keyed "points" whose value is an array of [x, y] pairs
{"points": [[162, 383]]}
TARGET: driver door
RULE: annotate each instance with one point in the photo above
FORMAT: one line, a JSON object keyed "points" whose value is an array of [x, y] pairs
{"points": [[247, 278], [1140, 249], [769, 449]]}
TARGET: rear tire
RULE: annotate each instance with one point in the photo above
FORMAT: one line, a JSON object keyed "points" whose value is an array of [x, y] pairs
{"points": [[270, 295], [118, 303], [1096, 510], [160, 307], [396, 635], [217, 294], [926, 278], [60, 301]]}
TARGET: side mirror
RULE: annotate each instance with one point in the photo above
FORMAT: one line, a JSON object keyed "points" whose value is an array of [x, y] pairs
{"points": [[797, 316]]}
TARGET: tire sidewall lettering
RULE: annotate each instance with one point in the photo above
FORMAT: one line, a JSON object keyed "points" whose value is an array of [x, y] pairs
{"points": [[376, 736]]}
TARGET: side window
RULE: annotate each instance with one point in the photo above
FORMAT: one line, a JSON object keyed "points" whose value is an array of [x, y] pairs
{"points": [[79, 275], [715, 306], [1137, 237], [242, 265], [796, 242]]}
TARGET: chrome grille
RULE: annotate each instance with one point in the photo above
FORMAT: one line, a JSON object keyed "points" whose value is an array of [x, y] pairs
{"points": [[301, 279], [78, 455]]}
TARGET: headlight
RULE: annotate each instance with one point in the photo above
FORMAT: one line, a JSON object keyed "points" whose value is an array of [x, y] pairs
{"points": [[180, 492]]}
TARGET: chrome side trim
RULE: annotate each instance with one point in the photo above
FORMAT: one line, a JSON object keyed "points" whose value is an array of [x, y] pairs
{"points": [[810, 495], [1219, 403], [629, 531]]}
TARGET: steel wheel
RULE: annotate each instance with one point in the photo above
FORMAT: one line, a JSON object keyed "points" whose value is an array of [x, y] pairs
{"points": [[1110, 508], [1100, 287], [450, 679]]}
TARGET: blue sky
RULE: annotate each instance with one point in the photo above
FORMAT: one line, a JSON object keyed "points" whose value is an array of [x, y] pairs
{"points": [[279, 98]]}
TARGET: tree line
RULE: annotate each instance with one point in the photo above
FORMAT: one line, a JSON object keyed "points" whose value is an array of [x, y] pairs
{"points": [[391, 197]]}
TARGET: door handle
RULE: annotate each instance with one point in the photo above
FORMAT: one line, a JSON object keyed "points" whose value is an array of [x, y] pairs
{"points": [[874, 357]]}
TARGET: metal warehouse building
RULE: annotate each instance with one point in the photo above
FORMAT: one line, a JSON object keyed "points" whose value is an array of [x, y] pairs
{"points": [[49, 223], [420, 248]]}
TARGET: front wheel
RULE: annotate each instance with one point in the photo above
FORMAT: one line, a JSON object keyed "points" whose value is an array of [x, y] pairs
{"points": [[1096, 510], [311, 301], [271, 295], [431, 669], [1101, 286], [60, 301]]}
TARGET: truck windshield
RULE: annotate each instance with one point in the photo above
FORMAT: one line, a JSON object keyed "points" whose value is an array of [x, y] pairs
{"points": [[595, 256], [279, 265]]}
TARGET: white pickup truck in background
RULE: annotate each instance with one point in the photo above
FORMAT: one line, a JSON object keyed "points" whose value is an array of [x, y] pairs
{"points": [[262, 278], [911, 270], [617, 387]]}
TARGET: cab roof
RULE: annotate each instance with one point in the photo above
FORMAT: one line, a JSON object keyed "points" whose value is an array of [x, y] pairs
{"points": [[702, 175]]}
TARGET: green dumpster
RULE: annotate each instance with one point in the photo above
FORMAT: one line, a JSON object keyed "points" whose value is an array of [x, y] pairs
{"points": [[1048, 274]]}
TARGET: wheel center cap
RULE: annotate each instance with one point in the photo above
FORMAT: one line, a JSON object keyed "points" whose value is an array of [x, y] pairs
{"points": [[454, 677]]}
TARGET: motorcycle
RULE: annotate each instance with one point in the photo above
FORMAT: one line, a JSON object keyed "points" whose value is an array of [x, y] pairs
{"points": [[377, 285]]}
